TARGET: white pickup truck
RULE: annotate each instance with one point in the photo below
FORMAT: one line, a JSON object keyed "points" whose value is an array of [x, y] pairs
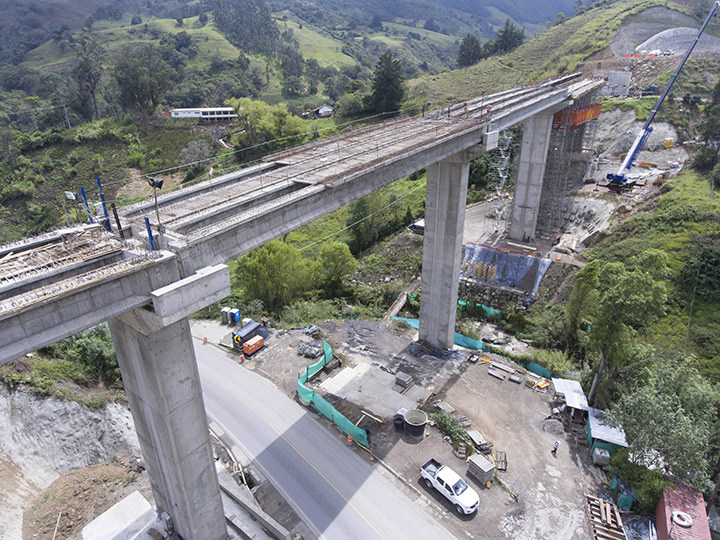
{"points": [[449, 483]]}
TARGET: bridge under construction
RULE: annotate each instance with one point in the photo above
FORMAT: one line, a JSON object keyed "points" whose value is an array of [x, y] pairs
{"points": [[166, 259]]}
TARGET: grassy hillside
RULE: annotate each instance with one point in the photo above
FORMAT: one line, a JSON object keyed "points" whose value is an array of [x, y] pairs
{"points": [[314, 43], [560, 49], [210, 42], [671, 223]]}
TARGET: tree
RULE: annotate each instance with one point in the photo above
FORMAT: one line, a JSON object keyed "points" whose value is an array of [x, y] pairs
{"points": [[350, 104], [582, 303], [247, 25], [509, 37], [388, 85], [336, 263], [668, 414], [376, 22], [431, 25], [470, 51], [707, 157], [87, 71], [143, 78], [292, 86], [195, 155], [274, 273], [629, 299], [264, 127]]}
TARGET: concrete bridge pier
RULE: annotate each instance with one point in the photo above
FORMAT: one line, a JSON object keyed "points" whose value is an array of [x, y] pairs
{"points": [[447, 182], [533, 158], [157, 360]]}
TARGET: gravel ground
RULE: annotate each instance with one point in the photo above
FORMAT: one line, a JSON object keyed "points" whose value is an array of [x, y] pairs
{"points": [[551, 490]]}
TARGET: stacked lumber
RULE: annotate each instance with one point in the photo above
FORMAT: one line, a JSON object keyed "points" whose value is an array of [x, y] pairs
{"points": [[605, 520]]}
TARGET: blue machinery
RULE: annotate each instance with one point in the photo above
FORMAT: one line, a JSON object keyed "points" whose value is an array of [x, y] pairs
{"points": [[618, 181]]}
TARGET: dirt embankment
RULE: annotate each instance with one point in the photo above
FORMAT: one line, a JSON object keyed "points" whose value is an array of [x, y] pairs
{"points": [[45, 438]]}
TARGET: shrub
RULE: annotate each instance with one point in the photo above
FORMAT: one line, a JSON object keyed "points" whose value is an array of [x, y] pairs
{"points": [[648, 484], [450, 426]]}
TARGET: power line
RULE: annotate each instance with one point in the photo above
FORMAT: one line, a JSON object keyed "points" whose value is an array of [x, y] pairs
{"points": [[35, 110], [366, 217]]}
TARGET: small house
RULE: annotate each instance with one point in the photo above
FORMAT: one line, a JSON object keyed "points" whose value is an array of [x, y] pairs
{"points": [[603, 436], [680, 515], [570, 394], [323, 111]]}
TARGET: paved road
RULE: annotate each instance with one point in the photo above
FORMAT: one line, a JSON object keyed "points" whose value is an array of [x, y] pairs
{"points": [[336, 493]]}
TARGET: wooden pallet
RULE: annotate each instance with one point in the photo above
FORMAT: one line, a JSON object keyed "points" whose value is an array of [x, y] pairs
{"points": [[501, 459], [605, 520]]}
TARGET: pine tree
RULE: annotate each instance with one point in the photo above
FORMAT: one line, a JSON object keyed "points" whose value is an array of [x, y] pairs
{"points": [[470, 51], [388, 85]]}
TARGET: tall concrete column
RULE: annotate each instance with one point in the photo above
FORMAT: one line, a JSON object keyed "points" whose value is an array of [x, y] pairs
{"points": [[442, 248], [159, 370], [533, 157]]}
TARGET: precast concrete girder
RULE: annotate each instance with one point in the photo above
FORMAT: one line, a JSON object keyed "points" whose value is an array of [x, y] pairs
{"points": [[555, 101], [64, 312], [229, 239], [159, 370]]}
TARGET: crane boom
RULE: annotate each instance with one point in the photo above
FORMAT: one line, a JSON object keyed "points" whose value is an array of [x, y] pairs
{"points": [[618, 180]]}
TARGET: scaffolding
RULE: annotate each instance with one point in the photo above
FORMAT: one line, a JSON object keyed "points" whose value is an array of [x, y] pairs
{"points": [[567, 163]]}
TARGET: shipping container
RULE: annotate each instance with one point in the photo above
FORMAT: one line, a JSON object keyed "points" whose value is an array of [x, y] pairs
{"points": [[253, 345]]}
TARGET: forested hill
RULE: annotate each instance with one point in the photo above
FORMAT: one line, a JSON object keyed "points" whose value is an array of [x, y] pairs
{"points": [[26, 24], [453, 17]]}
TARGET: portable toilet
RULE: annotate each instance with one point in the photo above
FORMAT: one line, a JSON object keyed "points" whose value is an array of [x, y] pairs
{"points": [[234, 316], [253, 345], [225, 314]]}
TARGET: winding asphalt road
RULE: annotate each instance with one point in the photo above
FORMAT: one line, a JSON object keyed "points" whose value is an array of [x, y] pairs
{"points": [[337, 494]]}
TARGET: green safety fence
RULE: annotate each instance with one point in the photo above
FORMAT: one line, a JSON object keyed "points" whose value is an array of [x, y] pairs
{"points": [[490, 312], [463, 341], [326, 409]]}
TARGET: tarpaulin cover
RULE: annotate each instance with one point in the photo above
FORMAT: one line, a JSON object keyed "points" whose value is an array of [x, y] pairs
{"points": [[488, 310], [511, 269], [539, 370], [461, 340], [323, 407]]}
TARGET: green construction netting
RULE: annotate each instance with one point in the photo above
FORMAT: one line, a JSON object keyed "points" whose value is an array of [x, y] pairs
{"points": [[463, 341], [490, 312], [323, 407]]}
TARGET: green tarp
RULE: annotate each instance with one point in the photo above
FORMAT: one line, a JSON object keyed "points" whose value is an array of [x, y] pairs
{"points": [[323, 407], [463, 341], [490, 312]]}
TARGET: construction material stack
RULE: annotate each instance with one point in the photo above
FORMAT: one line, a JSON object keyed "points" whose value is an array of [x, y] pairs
{"points": [[481, 468]]}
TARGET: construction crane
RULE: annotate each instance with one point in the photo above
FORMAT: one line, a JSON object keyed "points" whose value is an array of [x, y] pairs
{"points": [[618, 181]]}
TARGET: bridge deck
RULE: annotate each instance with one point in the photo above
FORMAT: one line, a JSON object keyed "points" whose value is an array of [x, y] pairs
{"points": [[39, 267]]}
